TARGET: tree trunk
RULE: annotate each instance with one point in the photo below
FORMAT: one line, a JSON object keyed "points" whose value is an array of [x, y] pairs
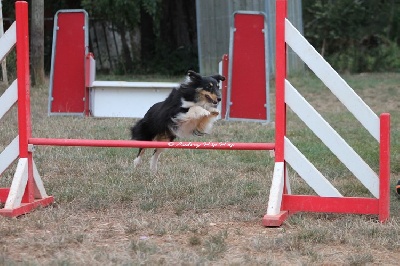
{"points": [[136, 45], [148, 38], [126, 53], [37, 42]]}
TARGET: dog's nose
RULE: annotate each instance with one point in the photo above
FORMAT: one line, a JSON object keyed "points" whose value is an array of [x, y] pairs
{"points": [[218, 99]]}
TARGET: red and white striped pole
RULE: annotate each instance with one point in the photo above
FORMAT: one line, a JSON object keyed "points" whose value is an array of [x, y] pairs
{"points": [[280, 76], [384, 167], [24, 108]]}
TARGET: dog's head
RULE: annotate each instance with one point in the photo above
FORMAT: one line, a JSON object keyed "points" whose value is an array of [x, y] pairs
{"points": [[207, 88]]}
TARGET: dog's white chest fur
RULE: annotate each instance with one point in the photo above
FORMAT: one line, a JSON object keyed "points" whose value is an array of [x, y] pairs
{"points": [[197, 119]]}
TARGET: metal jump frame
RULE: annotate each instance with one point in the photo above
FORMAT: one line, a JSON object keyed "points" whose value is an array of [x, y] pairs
{"points": [[290, 203]]}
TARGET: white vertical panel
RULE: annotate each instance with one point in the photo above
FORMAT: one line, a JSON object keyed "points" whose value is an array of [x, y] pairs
{"points": [[332, 139], [276, 190], [332, 80], [18, 185]]}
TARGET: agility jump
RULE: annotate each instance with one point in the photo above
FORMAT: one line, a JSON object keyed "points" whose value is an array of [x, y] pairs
{"points": [[27, 191]]}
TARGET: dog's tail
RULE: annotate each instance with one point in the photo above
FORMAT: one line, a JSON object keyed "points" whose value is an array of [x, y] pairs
{"points": [[137, 131]]}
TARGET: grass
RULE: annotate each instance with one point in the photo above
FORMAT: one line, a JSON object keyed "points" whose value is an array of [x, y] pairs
{"points": [[203, 206]]}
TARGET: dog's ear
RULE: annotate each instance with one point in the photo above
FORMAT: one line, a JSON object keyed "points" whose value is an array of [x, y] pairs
{"points": [[193, 75], [218, 78]]}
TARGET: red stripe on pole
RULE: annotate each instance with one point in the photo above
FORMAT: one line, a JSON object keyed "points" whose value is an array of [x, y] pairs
{"points": [[280, 76], [384, 167], [24, 106], [152, 144], [24, 123]]}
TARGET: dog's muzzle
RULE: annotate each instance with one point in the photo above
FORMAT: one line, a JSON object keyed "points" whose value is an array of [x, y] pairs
{"points": [[210, 100]]}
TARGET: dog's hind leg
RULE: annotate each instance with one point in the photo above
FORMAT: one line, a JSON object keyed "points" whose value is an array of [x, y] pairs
{"points": [[158, 151], [154, 159], [138, 158]]}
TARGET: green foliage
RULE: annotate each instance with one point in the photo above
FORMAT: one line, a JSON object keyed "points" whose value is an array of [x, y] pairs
{"points": [[124, 14], [168, 61], [385, 57], [354, 36]]}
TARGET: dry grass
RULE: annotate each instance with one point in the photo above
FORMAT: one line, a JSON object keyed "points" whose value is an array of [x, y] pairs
{"points": [[202, 207]]}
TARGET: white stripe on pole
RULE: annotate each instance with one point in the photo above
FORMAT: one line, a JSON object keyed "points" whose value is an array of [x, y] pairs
{"points": [[18, 185], [332, 80], [8, 98], [8, 40], [308, 172], [332, 139], [276, 190], [9, 154]]}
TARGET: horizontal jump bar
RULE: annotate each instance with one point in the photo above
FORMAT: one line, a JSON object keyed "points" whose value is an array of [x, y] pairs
{"points": [[152, 144]]}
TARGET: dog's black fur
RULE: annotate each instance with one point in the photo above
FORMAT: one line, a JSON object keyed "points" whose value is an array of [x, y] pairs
{"points": [[188, 110]]}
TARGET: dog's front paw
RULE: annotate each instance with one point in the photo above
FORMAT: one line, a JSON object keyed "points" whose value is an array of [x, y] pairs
{"points": [[197, 112], [203, 112], [213, 111]]}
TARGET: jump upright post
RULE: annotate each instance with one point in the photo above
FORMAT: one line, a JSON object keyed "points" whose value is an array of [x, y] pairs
{"points": [[27, 191], [281, 202]]}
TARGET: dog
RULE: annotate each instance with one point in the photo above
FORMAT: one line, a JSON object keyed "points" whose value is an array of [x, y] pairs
{"points": [[190, 109]]}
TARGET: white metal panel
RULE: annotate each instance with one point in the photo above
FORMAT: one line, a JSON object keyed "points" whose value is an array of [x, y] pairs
{"points": [[18, 185], [332, 80], [8, 40], [308, 172], [332, 139], [276, 190], [8, 98], [9, 154], [125, 102], [90, 71]]}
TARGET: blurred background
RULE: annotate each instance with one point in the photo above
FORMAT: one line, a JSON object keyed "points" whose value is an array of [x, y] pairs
{"points": [[167, 37]]}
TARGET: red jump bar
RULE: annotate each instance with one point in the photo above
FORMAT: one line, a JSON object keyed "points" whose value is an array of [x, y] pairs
{"points": [[207, 145]]}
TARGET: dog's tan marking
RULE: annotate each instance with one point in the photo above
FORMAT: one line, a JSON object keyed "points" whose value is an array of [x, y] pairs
{"points": [[205, 124], [203, 97]]}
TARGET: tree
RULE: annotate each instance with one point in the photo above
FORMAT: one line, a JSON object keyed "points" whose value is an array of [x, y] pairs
{"points": [[354, 36], [37, 42], [162, 32], [178, 36], [124, 15]]}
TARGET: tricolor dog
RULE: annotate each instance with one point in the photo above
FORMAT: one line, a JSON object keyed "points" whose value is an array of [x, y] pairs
{"points": [[189, 110]]}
